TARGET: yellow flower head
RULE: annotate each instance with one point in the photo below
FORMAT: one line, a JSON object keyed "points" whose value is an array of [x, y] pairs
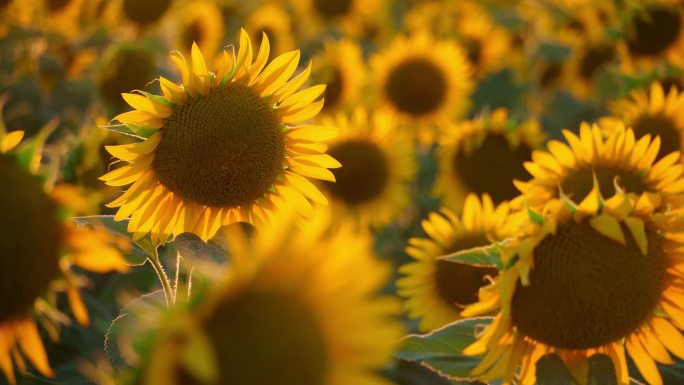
{"points": [[199, 22], [288, 313], [596, 278], [654, 32], [39, 246], [271, 19], [377, 163], [616, 163], [484, 156], [654, 113], [436, 290], [341, 67], [423, 81], [349, 16], [221, 147]]}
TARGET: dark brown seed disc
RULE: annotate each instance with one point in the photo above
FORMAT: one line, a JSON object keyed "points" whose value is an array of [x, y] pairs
{"points": [[459, 283], [30, 237], [655, 31], [492, 167], [587, 290], [224, 149], [56, 5], [129, 69], [333, 8], [193, 33], [263, 338], [416, 87], [579, 184], [595, 59], [659, 125], [145, 12], [4, 3], [364, 172]]}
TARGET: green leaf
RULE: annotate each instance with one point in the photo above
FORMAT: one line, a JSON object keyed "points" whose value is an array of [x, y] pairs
{"points": [[142, 248], [122, 129], [192, 248], [552, 371], [442, 349], [601, 370], [127, 327], [479, 256]]}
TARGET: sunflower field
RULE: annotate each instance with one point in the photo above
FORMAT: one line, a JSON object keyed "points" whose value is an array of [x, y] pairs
{"points": [[341, 192]]}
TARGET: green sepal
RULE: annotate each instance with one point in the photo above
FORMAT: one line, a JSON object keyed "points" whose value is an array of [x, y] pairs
{"points": [[442, 349]]}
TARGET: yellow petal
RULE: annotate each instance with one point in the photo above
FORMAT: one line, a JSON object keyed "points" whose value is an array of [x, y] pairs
{"points": [[643, 361], [10, 140], [608, 226], [32, 346]]}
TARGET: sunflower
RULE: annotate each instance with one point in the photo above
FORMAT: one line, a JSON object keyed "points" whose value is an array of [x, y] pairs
{"points": [[15, 12], [599, 278], [221, 147], [288, 313], [422, 81], [484, 156], [349, 16], [125, 67], [616, 162], [274, 21], [39, 246], [62, 16], [652, 113], [485, 42], [654, 33], [587, 62], [435, 290], [199, 22], [377, 163], [342, 68], [130, 17]]}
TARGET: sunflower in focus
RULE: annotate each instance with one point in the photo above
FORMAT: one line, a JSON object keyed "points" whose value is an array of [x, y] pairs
{"points": [[423, 81], [371, 187], [341, 67], [653, 33], [288, 305], [39, 247], [484, 156], [616, 162], [349, 16], [221, 147], [272, 20], [435, 291], [603, 277], [199, 22], [652, 113]]}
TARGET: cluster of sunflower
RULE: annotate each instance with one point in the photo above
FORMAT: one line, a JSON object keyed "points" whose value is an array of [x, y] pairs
{"points": [[334, 192]]}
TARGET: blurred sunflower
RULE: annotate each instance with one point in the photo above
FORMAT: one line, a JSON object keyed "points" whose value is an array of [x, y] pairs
{"points": [[587, 62], [129, 17], [39, 246], [289, 314], [124, 67], [654, 33], [435, 291], [652, 113], [221, 147], [424, 82], [349, 16], [62, 16], [485, 42], [377, 163], [272, 20], [598, 278], [341, 67], [484, 156], [199, 22], [616, 162], [16, 12]]}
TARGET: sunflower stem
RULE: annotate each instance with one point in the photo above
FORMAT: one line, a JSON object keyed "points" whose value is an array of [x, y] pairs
{"points": [[163, 278]]}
